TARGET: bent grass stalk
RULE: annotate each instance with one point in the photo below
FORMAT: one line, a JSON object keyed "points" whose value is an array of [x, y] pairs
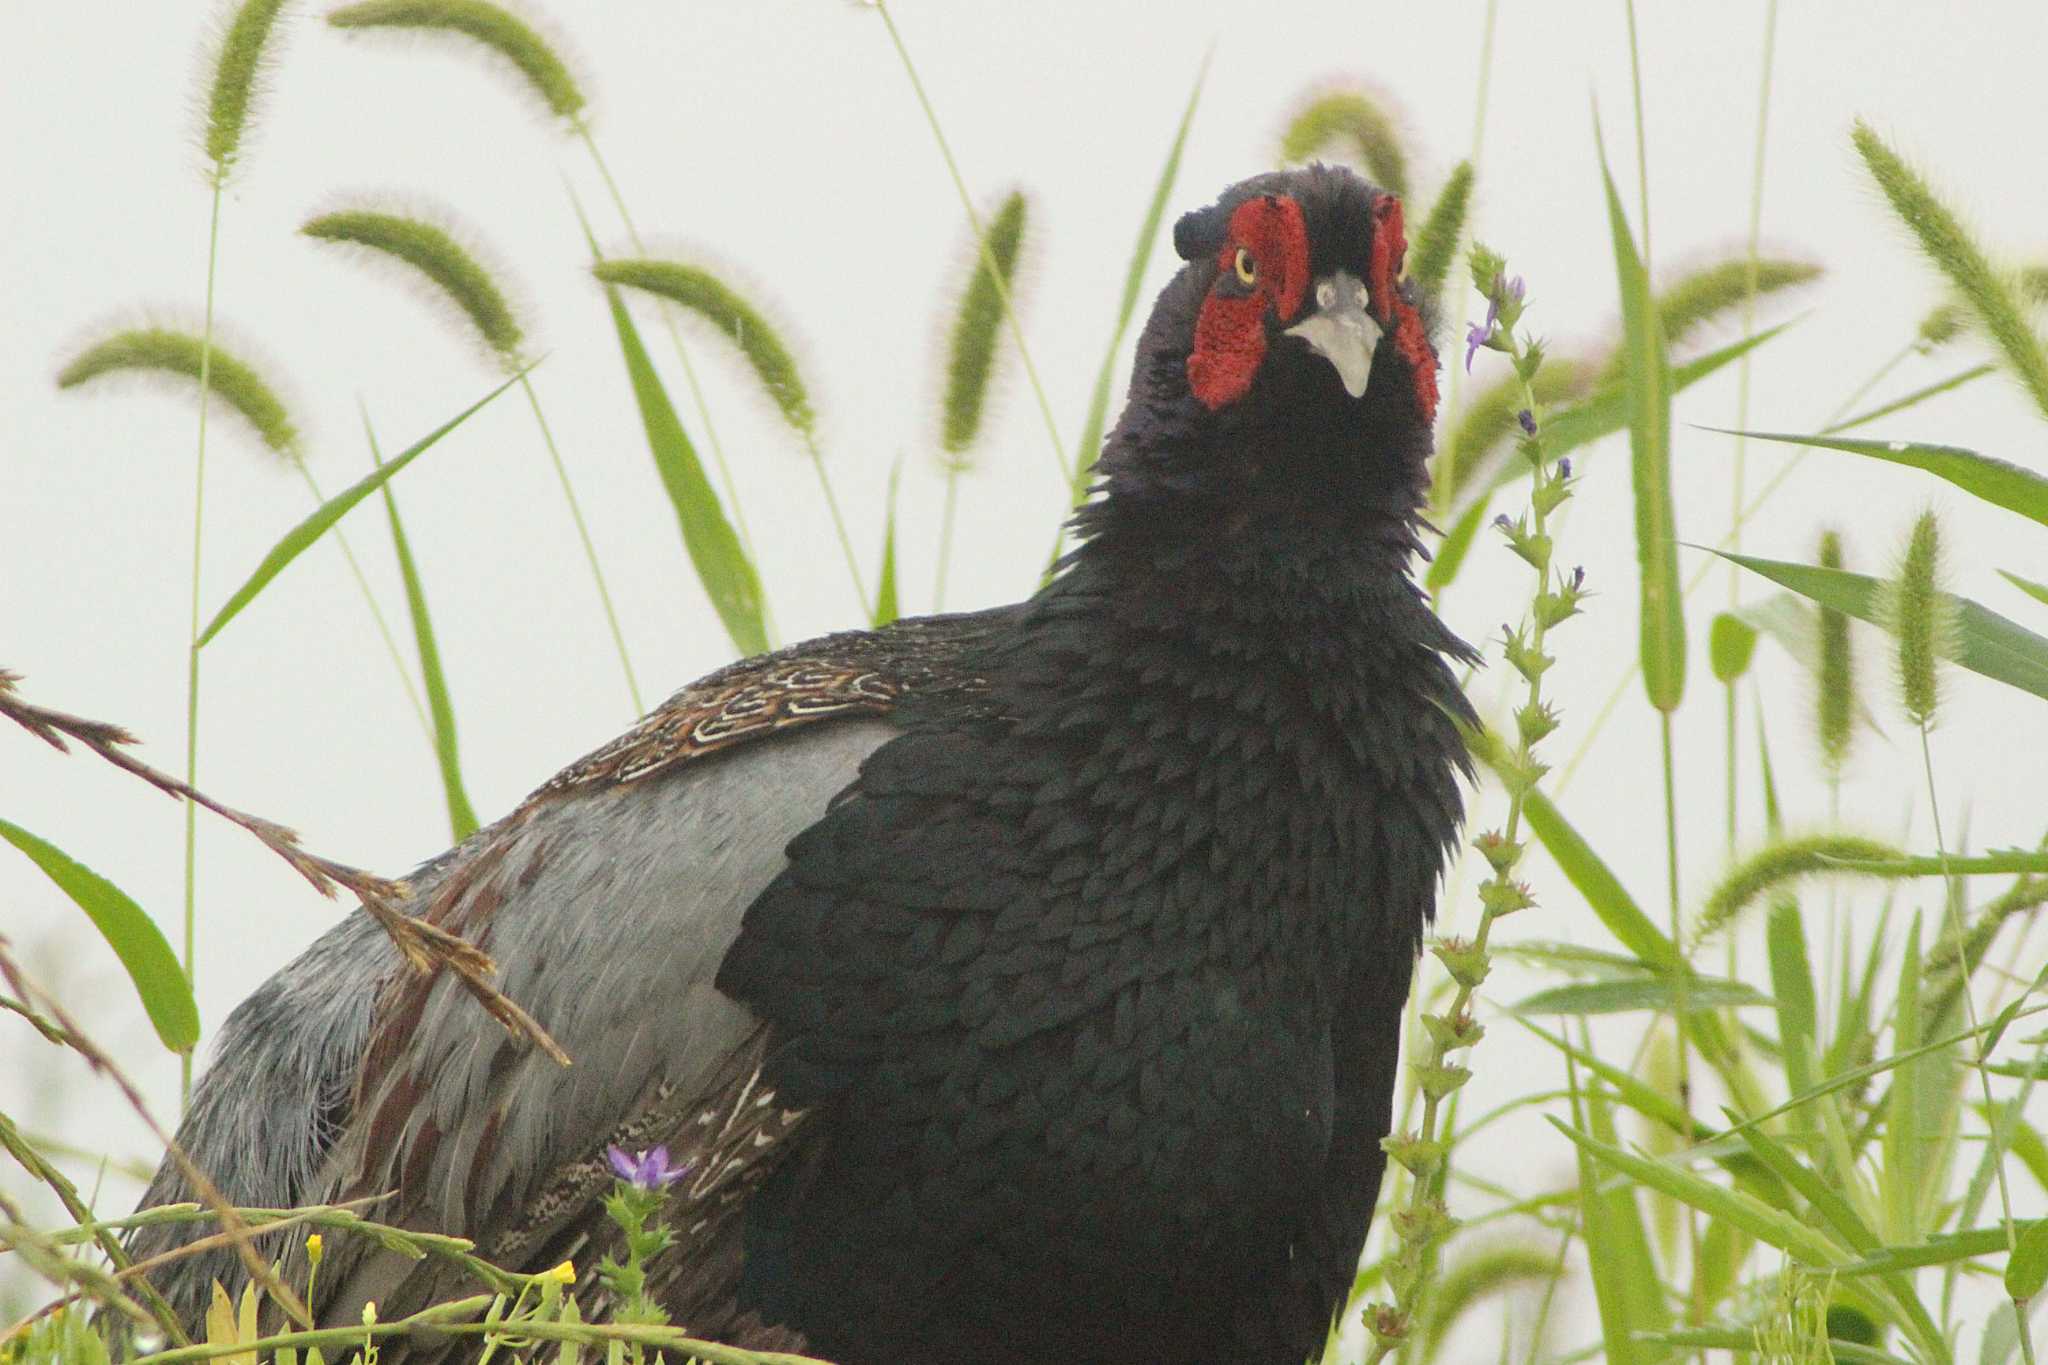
{"points": [[1423, 1221], [459, 276]]}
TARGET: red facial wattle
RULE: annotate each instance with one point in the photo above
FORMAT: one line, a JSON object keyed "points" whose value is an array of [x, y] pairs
{"points": [[1395, 313], [1230, 333]]}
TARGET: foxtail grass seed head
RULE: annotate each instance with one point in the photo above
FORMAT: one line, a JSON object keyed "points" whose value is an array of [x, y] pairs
{"points": [[1703, 296], [494, 27], [1778, 863], [698, 291], [1919, 613], [1835, 704], [443, 261], [1356, 124], [1436, 241], [162, 352], [238, 69], [1990, 295], [978, 328]]}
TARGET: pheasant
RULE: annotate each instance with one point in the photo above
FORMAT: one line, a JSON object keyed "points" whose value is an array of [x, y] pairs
{"points": [[1022, 985]]}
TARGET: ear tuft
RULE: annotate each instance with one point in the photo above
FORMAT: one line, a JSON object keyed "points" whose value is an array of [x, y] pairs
{"points": [[1199, 235]]}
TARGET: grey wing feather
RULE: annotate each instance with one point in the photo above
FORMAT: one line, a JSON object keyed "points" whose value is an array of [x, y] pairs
{"points": [[610, 913]]}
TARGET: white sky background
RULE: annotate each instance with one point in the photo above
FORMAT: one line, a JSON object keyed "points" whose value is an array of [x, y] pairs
{"points": [[783, 139]]}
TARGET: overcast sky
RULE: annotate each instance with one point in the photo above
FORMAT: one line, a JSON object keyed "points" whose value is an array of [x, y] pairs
{"points": [[782, 140]]}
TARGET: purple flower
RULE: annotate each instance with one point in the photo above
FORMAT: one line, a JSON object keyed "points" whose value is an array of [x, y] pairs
{"points": [[1475, 337], [649, 1170], [1564, 468], [1528, 421]]}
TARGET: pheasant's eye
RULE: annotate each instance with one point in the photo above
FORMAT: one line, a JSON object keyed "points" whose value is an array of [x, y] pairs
{"points": [[1247, 269]]}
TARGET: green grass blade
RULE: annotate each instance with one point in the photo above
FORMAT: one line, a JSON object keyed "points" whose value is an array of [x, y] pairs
{"points": [[1134, 281], [2037, 591], [1630, 1089], [1792, 987], [700, 292], [462, 821], [715, 552], [1648, 993], [2000, 863], [301, 537], [886, 606], [1942, 1249], [1904, 1140], [2027, 1269], [1984, 477], [1477, 1276], [1915, 398], [145, 955], [1436, 241], [1984, 643], [1648, 387], [1773, 1227], [1626, 1287], [1608, 899]]}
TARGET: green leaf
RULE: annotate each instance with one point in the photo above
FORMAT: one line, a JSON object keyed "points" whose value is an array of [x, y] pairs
{"points": [[886, 609], [462, 821], [1945, 1248], [302, 536], [1991, 480], [1774, 1227], [1626, 1286], [1589, 874], [2000, 863], [1913, 399], [1648, 385], [1792, 986], [715, 552], [1985, 643], [134, 937], [2027, 1269], [1905, 1141], [1649, 993], [2037, 591]]}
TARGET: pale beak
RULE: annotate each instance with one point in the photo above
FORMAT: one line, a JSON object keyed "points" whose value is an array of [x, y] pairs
{"points": [[1342, 329]]}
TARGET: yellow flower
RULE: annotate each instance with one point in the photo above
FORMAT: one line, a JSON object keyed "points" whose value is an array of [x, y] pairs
{"points": [[564, 1274], [314, 1247]]}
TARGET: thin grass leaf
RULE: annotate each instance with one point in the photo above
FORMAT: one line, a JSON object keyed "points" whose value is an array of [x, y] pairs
{"points": [[1354, 121], [1648, 386], [1997, 863], [1984, 477], [1984, 642], [1604, 894], [462, 821], [237, 69], [2027, 1269], [301, 537], [447, 265], [151, 965], [1944, 1248], [497, 29], [1090, 444], [2025, 1143], [1629, 1088], [698, 291], [886, 608], [1987, 292], [1436, 241], [1913, 399], [161, 350], [1773, 1227], [1743, 1341], [1776, 864], [1626, 1287], [1648, 993], [1904, 1140], [2037, 591], [977, 327], [715, 552]]}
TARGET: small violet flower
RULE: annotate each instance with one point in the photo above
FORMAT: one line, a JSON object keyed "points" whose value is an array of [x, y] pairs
{"points": [[648, 1171], [1528, 421], [1475, 337]]}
